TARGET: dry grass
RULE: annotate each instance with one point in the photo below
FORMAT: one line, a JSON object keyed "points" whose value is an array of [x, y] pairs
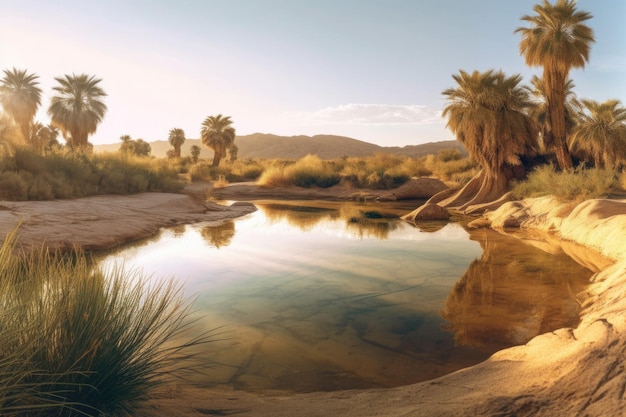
{"points": [[578, 185], [27, 175]]}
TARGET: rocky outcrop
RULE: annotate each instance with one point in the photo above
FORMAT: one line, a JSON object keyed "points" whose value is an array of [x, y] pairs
{"points": [[427, 212]]}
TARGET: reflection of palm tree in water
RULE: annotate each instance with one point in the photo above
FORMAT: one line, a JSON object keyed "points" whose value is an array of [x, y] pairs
{"points": [[220, 235], [513, 293]]}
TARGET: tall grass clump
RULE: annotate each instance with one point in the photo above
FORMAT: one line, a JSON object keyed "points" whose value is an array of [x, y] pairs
{"points": [[577, 185], [451, 166], [80, 341], [307, 172], [383, 171], [28, 175]]}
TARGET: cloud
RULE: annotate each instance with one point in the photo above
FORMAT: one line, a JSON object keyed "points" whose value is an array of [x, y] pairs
{"points": [[610, 63], [372, 114]]}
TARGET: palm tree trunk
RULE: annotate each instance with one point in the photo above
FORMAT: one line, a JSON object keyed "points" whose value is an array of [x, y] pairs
{"points": [[555, 82], [216, 159], [484, 189]]}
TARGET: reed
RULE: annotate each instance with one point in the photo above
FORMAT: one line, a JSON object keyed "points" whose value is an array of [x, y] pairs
{"points": [[81, 341]]}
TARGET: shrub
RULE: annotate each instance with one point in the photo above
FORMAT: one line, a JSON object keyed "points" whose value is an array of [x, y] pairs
{"points": [[75, 340], [577, 185], [312, 171], [274, 177], [62, 174]]}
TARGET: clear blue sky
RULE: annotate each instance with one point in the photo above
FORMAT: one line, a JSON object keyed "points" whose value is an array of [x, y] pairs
{"points": [[373, 70]]}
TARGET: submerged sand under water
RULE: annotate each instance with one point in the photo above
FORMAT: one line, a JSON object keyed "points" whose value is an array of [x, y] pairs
{"points": [[309, 299]]}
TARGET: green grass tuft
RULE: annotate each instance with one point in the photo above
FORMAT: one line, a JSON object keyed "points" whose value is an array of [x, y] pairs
{"points": [[79, 341]]}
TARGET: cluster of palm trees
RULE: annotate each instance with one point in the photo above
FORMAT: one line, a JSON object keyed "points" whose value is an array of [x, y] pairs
{"points": [[504, 124], [217, 133], [76, 108]]}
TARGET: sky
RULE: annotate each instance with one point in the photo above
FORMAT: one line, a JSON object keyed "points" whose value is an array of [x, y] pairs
{"points": [[371, 70]]}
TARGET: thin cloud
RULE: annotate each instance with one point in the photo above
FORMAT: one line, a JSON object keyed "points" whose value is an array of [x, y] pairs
{"points": [[610, 63], [373, 114]]}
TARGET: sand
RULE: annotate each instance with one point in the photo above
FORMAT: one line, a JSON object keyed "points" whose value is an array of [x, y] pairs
{"points": [[569, 372]]}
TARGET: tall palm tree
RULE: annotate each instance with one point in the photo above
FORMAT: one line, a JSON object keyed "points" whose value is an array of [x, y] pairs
{"points": [[601, 133], [218, 134], [20, 97], [176, 139], [557, 40], [487, 113], [77, 108], [541, 113]]}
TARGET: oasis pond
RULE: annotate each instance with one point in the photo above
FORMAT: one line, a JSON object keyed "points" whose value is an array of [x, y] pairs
{"points": [[321, 296]]}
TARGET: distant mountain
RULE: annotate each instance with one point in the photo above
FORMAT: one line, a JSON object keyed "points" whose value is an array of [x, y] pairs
{"points": [[268, 146]]}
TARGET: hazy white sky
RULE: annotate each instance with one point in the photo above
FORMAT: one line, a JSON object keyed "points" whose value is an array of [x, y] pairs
{"points": [[373, 70]]}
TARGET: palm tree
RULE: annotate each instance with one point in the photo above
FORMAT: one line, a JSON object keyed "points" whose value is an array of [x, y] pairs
{"points": [[218, 134], [195, 153], [40, 136], [601, 133], [487, 113], [176, 139], [77, 108], [558, 41], [541, 113], [20, 98]]}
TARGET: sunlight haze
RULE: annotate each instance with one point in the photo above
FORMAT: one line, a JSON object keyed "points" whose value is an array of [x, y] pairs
{"points": [[370, 70]]}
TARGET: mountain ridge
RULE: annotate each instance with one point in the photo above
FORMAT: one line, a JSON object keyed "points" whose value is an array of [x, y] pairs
{"points": [[270, 146]]}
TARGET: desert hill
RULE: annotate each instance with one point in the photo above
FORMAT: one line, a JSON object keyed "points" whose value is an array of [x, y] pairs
{"points": [[268, 146]]}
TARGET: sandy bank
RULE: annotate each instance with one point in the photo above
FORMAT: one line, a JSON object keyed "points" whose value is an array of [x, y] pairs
{"points": [[102, 222], [569, 372]]}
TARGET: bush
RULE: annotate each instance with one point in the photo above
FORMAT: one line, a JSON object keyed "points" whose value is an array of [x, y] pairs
{"points": [[75, 340], [27, 175], [577, 185], [274, 177], [312, 171]]}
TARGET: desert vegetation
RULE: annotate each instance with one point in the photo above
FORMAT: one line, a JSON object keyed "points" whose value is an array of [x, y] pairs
{"points": [[25, 174], [81, 341], [509, 129]]}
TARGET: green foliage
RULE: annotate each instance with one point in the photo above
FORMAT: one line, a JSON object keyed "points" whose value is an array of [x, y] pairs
{"points": [[577, 185], [27, 175], [75, 340]]}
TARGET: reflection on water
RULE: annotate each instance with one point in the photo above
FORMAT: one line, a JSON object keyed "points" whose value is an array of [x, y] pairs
{"points": [[512, 293], [320, 296]]}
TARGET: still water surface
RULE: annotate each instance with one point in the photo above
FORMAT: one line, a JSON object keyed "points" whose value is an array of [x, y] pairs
{"points": [[320, 296]]}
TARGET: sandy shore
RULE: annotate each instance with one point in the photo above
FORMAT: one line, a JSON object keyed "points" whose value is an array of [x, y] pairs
{"points": [[103, 222], [569, 372]]}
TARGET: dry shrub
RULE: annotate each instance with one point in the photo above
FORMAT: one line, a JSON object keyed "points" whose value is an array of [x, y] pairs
{"points": [[578, 185]]}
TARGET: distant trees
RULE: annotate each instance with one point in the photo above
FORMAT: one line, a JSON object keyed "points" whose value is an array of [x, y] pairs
{"points": [[42, 138], [195, 153], [138, 147], [218, 134], [557, 40], [20, 97], [77, 108], [176, 139]]}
